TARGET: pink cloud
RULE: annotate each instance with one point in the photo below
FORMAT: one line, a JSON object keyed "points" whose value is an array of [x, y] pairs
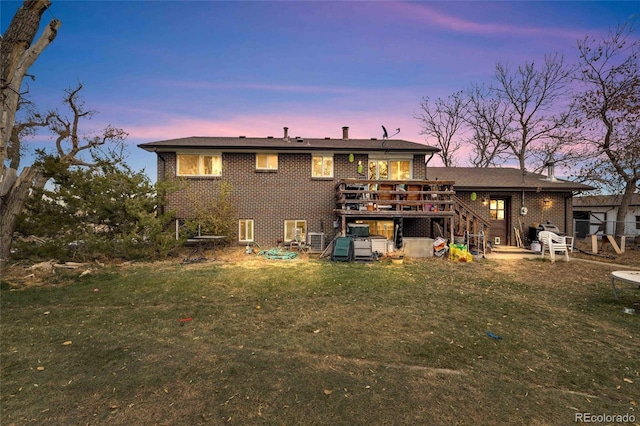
{"points": [[431, 16]]}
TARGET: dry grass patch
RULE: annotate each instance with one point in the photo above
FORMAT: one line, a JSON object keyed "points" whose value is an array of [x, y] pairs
{"points": [[315, 342]]}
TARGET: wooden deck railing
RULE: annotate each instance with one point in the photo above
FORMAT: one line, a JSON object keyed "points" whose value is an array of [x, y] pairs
{"points": [[405, 198], [411, 198]]}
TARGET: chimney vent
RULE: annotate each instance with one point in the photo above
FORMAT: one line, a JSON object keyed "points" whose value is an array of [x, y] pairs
{"points": [[286, 134], [345, 133], [551, 172]]}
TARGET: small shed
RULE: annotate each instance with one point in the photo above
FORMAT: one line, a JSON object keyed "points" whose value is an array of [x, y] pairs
{"points": [[596, 215]]}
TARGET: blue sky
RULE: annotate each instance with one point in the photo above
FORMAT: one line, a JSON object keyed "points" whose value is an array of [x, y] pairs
{"points": [[169, 69]]}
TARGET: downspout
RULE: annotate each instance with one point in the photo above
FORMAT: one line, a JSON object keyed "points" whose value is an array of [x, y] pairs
{"points": [[164, 171], [425, 165]]}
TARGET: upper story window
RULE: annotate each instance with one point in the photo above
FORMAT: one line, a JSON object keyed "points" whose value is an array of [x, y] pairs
{"points": [[390, 168], [322, 165], [266, 161], [400, 169], [199, 165]]}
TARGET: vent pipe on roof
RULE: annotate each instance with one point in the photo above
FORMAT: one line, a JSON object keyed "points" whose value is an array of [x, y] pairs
{"points": [[286, 134], [550, 172], [345, 133]]}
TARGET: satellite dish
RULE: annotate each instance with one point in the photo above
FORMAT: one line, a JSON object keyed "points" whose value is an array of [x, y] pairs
{"points": [[385, 135]]}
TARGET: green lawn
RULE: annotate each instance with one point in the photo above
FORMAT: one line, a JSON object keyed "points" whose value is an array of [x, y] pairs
{"points": [[317, 343]]}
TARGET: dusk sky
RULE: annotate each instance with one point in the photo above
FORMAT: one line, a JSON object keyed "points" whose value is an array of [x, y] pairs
{"points": [[171, 69]]}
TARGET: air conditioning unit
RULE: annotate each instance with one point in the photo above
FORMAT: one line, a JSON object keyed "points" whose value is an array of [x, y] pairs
{"points": [[316, 242]]}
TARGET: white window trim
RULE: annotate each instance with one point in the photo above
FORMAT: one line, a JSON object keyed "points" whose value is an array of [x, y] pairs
{"points": [[253, 230], [388, 159], [295, 225], [199, 154], [379, 156], [268, 154], [323, 155]]}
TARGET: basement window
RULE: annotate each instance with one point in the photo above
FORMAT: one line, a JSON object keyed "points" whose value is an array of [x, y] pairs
{"points": [[245, 230], [293, 228]]}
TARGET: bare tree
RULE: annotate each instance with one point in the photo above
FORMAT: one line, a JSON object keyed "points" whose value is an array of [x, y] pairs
{"points": [[489, 124], [17, 54], [609, 99], [72, 148], [443, 120], [526, 113]]}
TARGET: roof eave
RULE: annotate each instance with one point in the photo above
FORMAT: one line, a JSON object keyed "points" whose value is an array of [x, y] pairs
{"points": [[293, 148], [518, 188]]}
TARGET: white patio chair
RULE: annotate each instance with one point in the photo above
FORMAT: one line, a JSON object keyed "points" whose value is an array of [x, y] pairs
{"points": [[554, 243], [299, 243]]}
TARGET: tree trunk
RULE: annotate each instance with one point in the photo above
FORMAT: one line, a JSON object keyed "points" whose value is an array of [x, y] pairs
{"points": [[625, 202], [17, 54], [12, 205]]}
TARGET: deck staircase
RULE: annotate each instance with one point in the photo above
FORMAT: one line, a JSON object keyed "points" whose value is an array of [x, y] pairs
{"points": [[470, 224]]}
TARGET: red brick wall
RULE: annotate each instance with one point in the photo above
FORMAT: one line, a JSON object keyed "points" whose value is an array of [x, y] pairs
{"points": [[558, 212], [270, 198]]}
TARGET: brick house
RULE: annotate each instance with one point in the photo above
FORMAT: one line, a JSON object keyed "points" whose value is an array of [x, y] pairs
{"points": [[287, 185], [509, 199]]}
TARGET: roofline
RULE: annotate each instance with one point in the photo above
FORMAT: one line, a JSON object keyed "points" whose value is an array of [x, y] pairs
{"points": [[522, 188], [174, 148], [292, 146]]}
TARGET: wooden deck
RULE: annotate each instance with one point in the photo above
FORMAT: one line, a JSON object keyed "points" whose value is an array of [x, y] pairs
{"points": [[378, 199]]}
